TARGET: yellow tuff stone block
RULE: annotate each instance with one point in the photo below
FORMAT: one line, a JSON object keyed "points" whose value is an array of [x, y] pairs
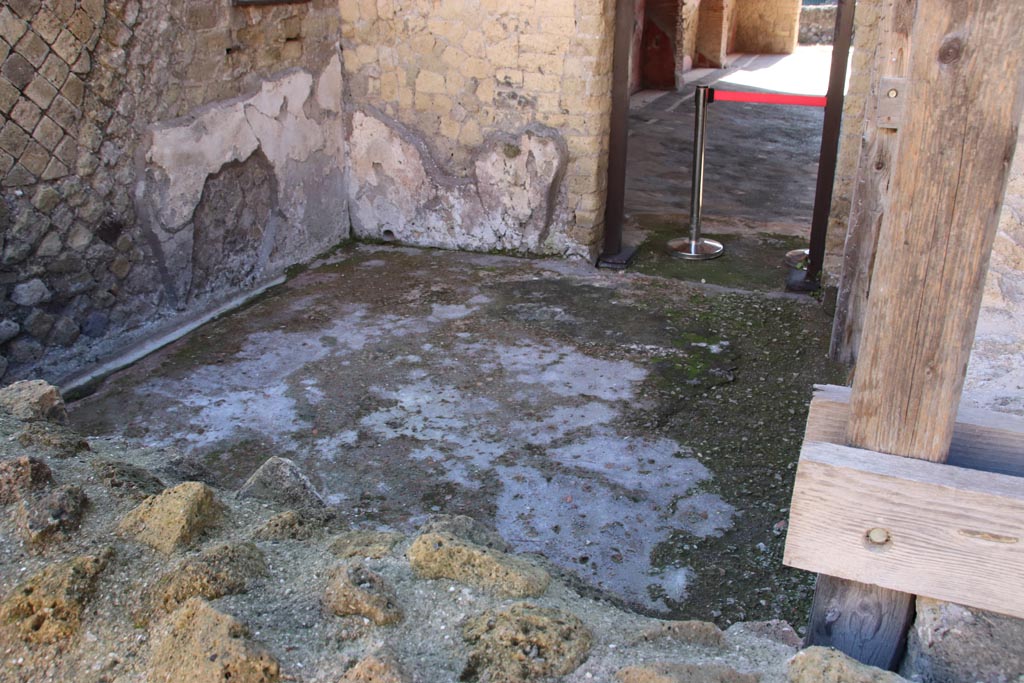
{"points": [[430, 82]]}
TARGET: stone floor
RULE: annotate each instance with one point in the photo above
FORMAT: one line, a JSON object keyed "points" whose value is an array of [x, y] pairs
{"points": [[640, 432]]}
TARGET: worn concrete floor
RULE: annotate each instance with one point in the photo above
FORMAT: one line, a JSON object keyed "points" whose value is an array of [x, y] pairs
{"points": [[640, 432]]}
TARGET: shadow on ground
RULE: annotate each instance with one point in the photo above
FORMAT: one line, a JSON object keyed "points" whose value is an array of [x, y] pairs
{"points": [[640, 432]]}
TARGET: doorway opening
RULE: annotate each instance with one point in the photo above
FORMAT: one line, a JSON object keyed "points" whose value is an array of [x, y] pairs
{"points": [[762, 160]]}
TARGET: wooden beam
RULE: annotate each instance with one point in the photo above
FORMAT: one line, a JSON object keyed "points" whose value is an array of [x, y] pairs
{"points": [[982, 439], [955, 141], [909, 525], [871, 190]]}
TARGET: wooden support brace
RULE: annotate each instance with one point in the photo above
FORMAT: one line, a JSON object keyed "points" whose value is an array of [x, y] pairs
{"points": [[909, 525], [963, 61]]}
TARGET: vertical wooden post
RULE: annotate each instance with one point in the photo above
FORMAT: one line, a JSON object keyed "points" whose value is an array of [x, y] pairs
{"points": [[867, 206], [957, 132]]}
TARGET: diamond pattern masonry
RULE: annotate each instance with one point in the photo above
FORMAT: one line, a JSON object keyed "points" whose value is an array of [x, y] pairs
{"points": [[46, 51]]}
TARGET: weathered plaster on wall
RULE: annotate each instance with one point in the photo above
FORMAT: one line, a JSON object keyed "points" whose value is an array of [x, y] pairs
{"points": [[686, 38], [83, 273], [510, 201], [184, 153], [461, 74]]}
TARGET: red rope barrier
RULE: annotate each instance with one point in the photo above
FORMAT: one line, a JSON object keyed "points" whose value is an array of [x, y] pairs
{"points": [[767, 98]]}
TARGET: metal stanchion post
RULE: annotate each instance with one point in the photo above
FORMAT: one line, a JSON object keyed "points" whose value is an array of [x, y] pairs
{"points": [[695, 247]]}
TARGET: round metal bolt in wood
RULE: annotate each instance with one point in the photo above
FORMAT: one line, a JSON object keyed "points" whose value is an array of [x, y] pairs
{"points": [[893, 93], [878, 536]]}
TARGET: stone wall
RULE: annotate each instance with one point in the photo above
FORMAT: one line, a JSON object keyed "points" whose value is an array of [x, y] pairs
{"points": [[817, 24], [115, 115], [709, 30], [714, 31], [766, 26], [686, 38], [479, 124]]}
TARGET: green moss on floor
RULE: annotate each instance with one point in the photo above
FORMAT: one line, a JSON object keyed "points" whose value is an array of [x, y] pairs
{"points": [[751, 261], [746, 427]]}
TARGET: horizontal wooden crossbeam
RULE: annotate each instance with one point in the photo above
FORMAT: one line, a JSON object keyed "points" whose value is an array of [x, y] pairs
{"points": [[939, 530], [982, 439]]}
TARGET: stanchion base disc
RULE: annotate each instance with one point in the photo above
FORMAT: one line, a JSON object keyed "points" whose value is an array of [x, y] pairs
{"points": [[701, 250]]}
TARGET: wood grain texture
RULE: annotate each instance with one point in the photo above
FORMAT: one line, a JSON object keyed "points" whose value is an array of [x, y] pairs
{"points": [[865, 622], [982, 439], [870, 193], [948, 180], [937, 223], [953, 534]]}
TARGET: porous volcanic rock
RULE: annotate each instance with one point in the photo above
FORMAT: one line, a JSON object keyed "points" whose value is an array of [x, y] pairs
{"points": [[441, 555], [127, 480], [172, 519], [221, 570], [671, 672], [372, 544], [281, 481], [42, 516], [950, 642], [289, 525], [354, 589], [57, 440], [524, 642], [466, 528], [774, 629], [33, 400], [48, 605], [198, 644], [826, 665], [695, 632], [21, 476], [376, 668]]}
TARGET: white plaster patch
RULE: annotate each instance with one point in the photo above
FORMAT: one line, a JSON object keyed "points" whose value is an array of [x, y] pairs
{"points": [[450, 312], [560, 422], [252, 392], [190, 151], [602, 532], [566, 372], [328, 448], [591, 492], [329, 86], [306, 155], [511, 201]]}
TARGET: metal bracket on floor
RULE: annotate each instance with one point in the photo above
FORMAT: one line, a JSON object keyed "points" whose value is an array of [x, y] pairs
{"points": [[619, 261]]}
